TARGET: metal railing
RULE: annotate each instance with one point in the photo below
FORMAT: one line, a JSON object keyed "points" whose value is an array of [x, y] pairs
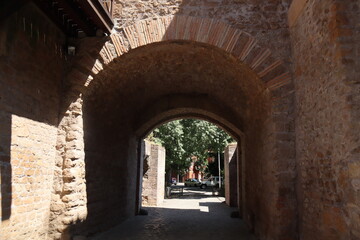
{"points": [[108, 6]]}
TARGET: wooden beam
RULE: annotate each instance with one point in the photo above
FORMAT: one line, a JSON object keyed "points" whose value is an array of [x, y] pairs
{"points": [[49, 12], [97, 13], [57, 10], [76, 16], [88, 15]]}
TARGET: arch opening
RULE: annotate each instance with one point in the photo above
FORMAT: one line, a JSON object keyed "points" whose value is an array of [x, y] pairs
{"points": [[160, 81], [188, 152], [157, 83]]}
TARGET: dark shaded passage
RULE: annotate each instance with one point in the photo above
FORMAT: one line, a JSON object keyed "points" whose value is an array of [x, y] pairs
{"points": [[187, 217]]}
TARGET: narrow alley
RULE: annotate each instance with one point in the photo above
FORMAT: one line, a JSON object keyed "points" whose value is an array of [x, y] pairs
{"points": [[195, 215]]}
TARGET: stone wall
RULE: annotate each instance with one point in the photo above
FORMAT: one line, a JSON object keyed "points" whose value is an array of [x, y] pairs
{"points": [[31, 73], [231, 175], [105, 100], [265, 20], [349, 38], [107, 191], [161, 156], [69, 205], [325, 38], [270, 138], [244, 74], [176, 79], [154, 178]]}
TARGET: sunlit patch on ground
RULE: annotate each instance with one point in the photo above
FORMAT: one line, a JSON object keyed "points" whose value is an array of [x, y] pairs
{"points": [[197, 214]]}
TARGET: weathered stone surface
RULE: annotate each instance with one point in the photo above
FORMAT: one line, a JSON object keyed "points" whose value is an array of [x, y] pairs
{"points": [[322, 38], [154, 178], [31, 72], [231, 175], [175, 70], [264, 20], [226, 61]]}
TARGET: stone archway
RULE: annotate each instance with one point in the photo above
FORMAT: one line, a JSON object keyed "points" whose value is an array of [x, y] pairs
{"points": [[273, 78], [185, 106], [216, 33]]}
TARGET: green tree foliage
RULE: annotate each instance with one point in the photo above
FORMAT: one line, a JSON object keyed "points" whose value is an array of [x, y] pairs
{"points": [[188, 138], [170, 136]]}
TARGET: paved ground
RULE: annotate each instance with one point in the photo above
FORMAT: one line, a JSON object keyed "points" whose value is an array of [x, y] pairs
{"points": [[196, 215]]}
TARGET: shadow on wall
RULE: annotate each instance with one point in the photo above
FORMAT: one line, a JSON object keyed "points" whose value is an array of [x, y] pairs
{"points": [[5, 165], [106, 164], [102, 200], [31, 70], [108, 176], [74, 166]]}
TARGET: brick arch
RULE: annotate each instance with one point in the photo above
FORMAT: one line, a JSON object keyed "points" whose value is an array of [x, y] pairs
{"points": [[187, 106], [181, 113], [271, 70], [95, 53]]}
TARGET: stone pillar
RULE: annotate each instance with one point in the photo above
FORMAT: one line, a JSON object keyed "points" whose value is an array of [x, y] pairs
{"points": [[69, 200], [154, 175], [230, 167]]}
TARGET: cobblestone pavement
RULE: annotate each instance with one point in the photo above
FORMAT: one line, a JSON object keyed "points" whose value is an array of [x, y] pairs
{"points": [[195, 215]]}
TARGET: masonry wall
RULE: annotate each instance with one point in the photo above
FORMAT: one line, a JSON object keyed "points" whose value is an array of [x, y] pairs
{"points": [[154, 178], [96, 143], [161, 155], [350, 44], [231, 175], [110, 159], [265, 20], [325, 39], [268, 124], [325, 47], [149, 177], [31, 71], [269, 148]]}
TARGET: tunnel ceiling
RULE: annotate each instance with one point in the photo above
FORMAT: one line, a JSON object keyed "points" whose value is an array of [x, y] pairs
{"points": [[193, 75]]}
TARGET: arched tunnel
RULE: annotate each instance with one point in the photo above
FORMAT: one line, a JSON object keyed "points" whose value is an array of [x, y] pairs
{"points": [[83, 82], [157, 83]]}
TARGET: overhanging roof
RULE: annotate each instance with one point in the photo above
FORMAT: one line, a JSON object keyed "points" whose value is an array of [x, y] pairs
{"points": [[71, 16]]}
